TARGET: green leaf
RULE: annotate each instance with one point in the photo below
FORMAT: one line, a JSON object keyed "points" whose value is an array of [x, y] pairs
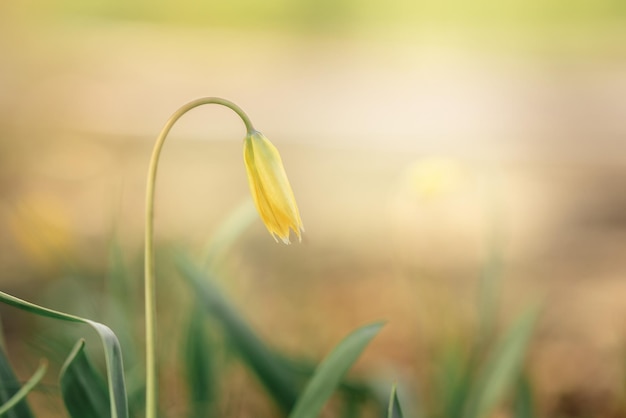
{"points": [[16, 407], [329, 373], [199, 366], [9, 386], [394, 410], [454, 379], [502, 368], [524, 403], [112, 351], [119, 304], [83, 388], [271, 371], [229, 230]]}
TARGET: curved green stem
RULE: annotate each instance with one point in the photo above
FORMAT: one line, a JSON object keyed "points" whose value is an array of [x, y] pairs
{"points": [[150, 292]]}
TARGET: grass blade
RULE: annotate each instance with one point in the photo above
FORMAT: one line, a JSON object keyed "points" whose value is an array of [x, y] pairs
{"points": [[330, 372], [199, 367], [9, 386], [228, 232], [524, 402], [502, 368], [112, 351], [271, 371], [20, 395], [455, 372], [83, 389], [394, 411]]}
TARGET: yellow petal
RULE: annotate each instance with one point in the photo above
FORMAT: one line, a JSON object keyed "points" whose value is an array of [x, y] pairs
{"points": [[270, 187]]}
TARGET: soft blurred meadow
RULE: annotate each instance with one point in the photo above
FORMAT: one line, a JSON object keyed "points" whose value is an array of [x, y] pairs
{"points": [[452, 161]]}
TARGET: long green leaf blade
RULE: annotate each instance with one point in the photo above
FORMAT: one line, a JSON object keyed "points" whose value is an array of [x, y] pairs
{"points": [[9, 386], [271, 371], [329, 373], [110, 343], [394, 410], [83, 389], [524, 403], [7, 409], [199, 367], [502, 368], [228, 232]]}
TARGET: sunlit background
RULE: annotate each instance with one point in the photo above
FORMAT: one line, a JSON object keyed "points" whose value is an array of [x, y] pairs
{"points": [[424, 140]]}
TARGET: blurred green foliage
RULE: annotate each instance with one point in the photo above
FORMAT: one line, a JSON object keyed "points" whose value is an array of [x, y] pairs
{"points": [[473, 379], [328, 14], [84, 391], [10, 387]]}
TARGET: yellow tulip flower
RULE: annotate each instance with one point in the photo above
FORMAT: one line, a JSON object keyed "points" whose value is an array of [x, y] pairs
{"points": [[270, 187]]}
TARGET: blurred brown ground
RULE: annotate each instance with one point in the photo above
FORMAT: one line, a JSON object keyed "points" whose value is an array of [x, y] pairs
{"points": [[404, 154]]}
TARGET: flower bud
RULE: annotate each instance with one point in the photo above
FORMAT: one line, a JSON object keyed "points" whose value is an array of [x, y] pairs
{"points": [[270, 187]]}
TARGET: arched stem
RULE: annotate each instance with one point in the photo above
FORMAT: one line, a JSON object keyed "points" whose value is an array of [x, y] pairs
{"points": [[150, 291]]}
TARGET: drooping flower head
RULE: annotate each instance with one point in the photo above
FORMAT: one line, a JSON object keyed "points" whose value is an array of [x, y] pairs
{"points": [[270, 187]]}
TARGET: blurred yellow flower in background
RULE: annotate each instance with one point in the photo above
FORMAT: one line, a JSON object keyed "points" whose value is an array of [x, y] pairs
{"points": [[270, 187], [434, 177], [41, 227]]}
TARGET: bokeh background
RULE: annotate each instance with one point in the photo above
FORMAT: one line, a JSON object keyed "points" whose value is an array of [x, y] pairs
{"points": [[422, 139]]}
